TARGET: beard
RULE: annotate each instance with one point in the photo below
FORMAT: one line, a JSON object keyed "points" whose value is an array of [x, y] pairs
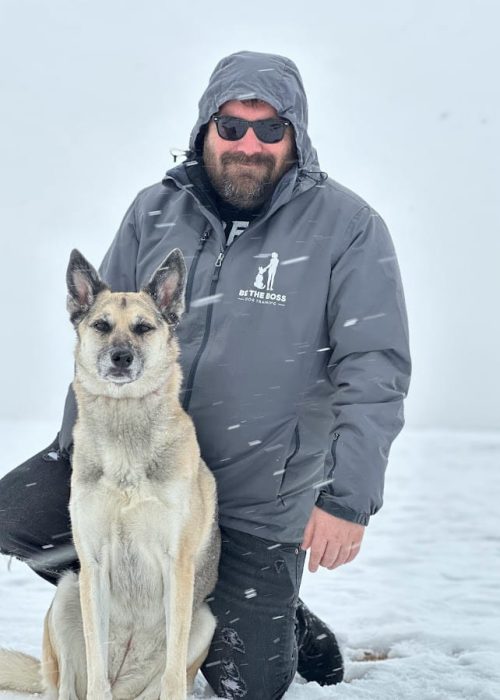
{"points": [[245, 182]]}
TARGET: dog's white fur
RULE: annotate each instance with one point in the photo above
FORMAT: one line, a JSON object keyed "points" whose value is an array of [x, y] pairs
{"points": [[133, 624]]}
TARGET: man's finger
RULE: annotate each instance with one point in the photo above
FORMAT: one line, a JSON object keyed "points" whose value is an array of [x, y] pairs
{"points": [[353, 551], [341, 558], [330, 555], [316, 554], [308, 535]]}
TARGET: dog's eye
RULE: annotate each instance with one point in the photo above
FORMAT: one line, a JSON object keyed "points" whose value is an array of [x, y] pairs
{"points": [[143, 328], [102, 326]]}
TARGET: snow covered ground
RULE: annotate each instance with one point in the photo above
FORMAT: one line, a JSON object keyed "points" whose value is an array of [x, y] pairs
{"points": [[423, 594]]}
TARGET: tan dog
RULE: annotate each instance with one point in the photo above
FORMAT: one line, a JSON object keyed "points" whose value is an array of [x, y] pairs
{"points": [[133, 624]]}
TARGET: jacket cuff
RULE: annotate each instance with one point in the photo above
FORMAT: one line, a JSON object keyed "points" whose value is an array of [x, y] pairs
{"points": [[328, 504]]}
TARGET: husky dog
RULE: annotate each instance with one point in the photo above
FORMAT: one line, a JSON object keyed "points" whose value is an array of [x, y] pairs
{"points": [[133, 623]]}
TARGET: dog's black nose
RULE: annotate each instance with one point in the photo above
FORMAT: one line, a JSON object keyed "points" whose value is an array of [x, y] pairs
{"points": [[122, 358]]}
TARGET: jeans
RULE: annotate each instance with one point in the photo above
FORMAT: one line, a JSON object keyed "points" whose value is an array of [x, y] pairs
{"points": [[254, 650], [253, 654]]}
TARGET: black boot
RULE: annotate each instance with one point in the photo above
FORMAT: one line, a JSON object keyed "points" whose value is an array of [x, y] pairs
{"points": [[320, 659]]}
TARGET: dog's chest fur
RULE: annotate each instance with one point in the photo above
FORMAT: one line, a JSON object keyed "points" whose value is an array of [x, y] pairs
{"points": [[132, 512]]}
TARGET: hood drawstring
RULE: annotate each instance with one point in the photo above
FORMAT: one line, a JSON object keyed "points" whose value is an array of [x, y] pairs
{"points": [[179, 153], [318, 176]]}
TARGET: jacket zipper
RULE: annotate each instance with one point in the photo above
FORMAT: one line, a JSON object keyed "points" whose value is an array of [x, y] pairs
{"points": [[334, 449], [208, 321], [189, 284], [289, 459], [297, 448], [218, 264]]}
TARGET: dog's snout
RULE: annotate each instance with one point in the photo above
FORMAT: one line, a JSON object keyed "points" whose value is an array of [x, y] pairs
{"points": [[120, 362], [122, 358]]}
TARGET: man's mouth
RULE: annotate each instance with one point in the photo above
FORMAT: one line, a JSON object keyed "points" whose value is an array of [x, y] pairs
{"points": [[240, 159], [246, 165]]}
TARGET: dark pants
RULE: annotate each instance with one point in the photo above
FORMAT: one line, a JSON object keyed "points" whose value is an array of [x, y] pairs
{"points": [[254, 650]]}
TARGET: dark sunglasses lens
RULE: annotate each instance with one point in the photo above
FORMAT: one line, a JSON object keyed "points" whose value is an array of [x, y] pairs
{"points": [[266, 130], [231, 128], [269, 130]]}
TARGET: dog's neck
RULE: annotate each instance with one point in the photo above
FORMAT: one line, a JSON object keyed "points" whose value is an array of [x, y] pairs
{"points": [[118, 416], [129, 440]]}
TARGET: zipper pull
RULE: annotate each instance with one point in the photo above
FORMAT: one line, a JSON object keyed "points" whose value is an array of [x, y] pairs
{"points": [[203, 239], [218, 264]]}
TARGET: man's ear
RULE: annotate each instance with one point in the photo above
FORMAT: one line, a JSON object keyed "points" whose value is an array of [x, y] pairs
{"points": [[84, 284], [167, 286]]}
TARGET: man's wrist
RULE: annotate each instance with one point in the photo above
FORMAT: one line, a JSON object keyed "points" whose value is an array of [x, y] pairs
{"points": [[328, 503]]}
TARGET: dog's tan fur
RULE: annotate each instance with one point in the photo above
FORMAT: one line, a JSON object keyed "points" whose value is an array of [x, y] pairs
{"points": [[133, 624]]}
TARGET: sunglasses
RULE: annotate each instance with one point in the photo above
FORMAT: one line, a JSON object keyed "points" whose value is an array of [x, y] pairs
{"points": [[269, 130]]}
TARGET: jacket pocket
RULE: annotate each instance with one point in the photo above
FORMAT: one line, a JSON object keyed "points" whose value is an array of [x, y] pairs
{"points": [[335, 439], [295, 448]]}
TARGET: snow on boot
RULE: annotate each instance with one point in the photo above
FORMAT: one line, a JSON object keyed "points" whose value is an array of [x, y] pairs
{"points": [[320, 659]]}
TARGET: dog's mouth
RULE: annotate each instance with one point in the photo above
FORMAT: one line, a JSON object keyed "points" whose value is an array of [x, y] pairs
{"points": [[119, 376]]}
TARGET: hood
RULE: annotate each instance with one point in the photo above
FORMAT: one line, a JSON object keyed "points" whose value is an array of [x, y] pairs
{"points": [[274, 79]]}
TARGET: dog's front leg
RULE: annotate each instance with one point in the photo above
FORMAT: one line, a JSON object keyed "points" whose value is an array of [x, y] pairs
{"points": [[94, 601], [178, 585]]}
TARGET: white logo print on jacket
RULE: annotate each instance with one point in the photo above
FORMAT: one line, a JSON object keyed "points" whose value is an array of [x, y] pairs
{"points": [[261, 283]]}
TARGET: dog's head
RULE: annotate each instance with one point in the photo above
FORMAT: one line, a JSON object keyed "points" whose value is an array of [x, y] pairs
{"points": [[125, 338]]}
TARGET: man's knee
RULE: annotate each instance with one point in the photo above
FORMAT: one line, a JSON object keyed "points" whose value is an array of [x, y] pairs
{"points": [[234, 678], [34, 518], [12, 516]]}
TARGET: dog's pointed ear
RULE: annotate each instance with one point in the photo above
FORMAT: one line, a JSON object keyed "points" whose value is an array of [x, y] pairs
{"points": [[84, 284], [167, 286]]}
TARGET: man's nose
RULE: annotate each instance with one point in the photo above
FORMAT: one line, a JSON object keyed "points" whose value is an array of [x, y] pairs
{"points": [[249, 143]]}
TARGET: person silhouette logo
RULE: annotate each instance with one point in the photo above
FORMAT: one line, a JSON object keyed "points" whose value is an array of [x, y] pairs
{"points": [[271, 268], [271, 273]]}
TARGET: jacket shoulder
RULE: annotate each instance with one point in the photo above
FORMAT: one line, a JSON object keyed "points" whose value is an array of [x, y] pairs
{"points": [[347, 211], [348, 200], [343, 194], [147, 197]]}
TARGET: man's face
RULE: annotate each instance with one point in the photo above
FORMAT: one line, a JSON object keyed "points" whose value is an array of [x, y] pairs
{"points": [[245, 172]]}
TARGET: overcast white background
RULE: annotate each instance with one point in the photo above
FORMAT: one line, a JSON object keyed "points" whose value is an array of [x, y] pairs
{"points": [[404, 109]]}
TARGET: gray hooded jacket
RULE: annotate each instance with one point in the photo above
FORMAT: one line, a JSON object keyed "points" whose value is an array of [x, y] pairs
{"points": [[297, 391]]}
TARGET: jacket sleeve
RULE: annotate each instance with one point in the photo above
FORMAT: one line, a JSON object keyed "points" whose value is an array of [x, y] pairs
{"points": [[118, 271], [369, 367]]}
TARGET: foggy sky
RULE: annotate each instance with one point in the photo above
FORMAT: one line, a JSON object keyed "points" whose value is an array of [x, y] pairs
{"points": [[404, 110]]}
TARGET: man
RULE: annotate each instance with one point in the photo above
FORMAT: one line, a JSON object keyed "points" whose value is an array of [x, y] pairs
{"points": [[295, 357]]}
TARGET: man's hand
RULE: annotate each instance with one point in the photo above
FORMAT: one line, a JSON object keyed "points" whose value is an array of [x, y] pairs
{"points": [[333, 541]]}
